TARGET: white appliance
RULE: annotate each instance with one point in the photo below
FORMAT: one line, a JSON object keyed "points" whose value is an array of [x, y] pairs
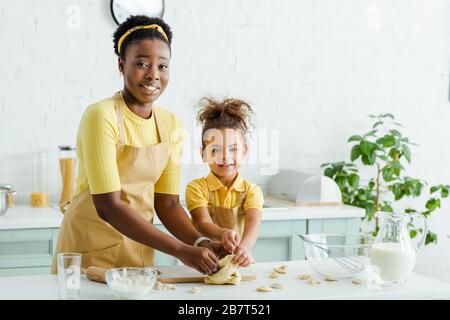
{"points": [[302, 188]]}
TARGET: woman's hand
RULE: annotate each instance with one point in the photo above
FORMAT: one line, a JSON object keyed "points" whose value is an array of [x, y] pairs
{"points": [[199, 258], [242, 256], [230, 240]]}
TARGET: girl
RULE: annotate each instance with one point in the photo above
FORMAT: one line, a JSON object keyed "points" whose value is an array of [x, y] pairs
{"points": [[223, 205], [126, 146]]}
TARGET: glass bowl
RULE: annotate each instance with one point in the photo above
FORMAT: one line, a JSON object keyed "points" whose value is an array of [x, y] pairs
{"points": [[131, 283], [338, 255]]}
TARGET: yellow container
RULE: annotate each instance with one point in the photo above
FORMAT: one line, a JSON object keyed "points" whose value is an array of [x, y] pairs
{"points": [[10, 200], [39, 199]]}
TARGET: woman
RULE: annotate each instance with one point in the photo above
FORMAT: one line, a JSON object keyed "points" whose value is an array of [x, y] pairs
{"points": [[127, 150]]}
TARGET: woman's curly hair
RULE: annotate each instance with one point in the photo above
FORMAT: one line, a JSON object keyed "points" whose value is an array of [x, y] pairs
{"points": [[228, 113], [140, 20]]}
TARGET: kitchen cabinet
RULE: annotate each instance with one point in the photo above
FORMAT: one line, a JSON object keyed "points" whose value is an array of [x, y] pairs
{"points": [[27, 251], [28, 235]]}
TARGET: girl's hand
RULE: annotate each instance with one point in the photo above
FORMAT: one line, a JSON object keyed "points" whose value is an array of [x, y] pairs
{"points": [[219, 250], [230, 240], [242, 256]]}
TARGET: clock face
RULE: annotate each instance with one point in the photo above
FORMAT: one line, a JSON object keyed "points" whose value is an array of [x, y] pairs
{"points": [[122, 9]]}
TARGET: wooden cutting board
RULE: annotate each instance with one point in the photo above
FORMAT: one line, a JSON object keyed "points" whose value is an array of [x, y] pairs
{"points": [[185, 274], [169, 274]]}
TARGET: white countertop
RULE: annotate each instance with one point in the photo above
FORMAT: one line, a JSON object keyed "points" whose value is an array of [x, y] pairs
{"points": [[22, 216], [417, 287]]}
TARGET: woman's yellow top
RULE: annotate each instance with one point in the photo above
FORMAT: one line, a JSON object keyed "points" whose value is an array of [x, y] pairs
{"points": [[98, 135], [197, 193]]}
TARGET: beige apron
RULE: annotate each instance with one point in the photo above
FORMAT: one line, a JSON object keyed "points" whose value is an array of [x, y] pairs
{"points": [[100, 244], [230, 218]]}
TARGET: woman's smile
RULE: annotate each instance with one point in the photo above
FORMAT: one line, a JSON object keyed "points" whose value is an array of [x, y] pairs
{"points": [[150, 89]]}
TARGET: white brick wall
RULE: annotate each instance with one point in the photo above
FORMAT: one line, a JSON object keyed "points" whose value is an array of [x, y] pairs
{"points": [[313, 70]]}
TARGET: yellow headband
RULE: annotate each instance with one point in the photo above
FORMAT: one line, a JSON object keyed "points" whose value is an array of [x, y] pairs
{"points": [[150, 26]]}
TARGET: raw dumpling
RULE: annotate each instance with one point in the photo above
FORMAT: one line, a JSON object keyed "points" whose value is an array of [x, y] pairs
{"points": [[228, 273]]}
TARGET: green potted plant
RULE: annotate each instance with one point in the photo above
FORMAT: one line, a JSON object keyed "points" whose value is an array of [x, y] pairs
{"points": [[387, 152]]}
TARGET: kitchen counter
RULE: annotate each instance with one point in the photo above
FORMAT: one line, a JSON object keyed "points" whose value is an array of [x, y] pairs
{"points": [[22, 216], [417, 287], [28, 236]]}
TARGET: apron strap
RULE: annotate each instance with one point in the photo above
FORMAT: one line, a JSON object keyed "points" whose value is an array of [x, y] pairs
{"points": [[159, 127], [241, 200], [121, 125], [211, 198]]}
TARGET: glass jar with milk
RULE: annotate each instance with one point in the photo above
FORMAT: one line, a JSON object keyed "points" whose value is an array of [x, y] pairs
{"points": [[393, 252]]}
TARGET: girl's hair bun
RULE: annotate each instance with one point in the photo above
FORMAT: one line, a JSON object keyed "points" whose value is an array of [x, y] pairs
{"points": [[228, 113]]}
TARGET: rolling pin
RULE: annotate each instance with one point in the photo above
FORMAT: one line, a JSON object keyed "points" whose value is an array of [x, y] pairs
{"points": [[96, 274]]}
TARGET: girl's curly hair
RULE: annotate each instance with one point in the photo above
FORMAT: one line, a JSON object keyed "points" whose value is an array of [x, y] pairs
{"points": [[228, 113]]}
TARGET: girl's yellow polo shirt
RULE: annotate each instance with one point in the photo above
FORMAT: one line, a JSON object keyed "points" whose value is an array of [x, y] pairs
{"points": [[98, 135], [197, 193]]}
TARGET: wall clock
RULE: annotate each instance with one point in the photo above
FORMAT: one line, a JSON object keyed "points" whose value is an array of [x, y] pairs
{"points": [[122, 9]]}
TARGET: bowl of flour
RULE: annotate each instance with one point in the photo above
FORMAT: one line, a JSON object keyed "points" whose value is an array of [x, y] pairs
{"points": [[131, 283]]}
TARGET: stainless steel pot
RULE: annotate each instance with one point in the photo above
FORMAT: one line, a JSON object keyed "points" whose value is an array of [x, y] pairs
{"points": [[5, 192]]}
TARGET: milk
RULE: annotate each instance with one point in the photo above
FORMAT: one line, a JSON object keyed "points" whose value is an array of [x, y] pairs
{"points": [[394, 261]]}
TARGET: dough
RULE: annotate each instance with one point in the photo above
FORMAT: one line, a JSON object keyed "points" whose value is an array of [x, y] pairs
{"points": [[312, 281], [195, 290], [283, 267], [329, 278], [170, 286], [159, 286], [281, 270], [274, 275], [164, 286], [264, 289], [228, 273], [277, 286], [304, 276]]}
